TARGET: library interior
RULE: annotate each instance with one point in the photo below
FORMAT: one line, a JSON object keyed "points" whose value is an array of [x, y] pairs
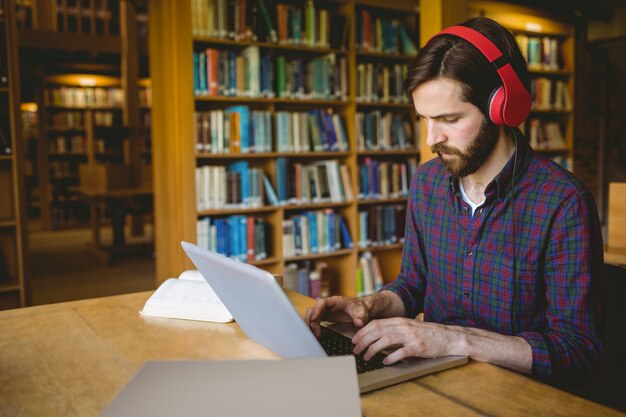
{"points": [[277, 133]]}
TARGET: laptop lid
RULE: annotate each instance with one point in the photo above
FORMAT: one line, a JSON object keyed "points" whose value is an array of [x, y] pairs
{"points": [[241, 388], [257, 302]]}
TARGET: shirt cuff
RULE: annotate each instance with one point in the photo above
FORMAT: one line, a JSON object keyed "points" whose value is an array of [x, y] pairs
{"points": [[542, 362], [410, 306]]}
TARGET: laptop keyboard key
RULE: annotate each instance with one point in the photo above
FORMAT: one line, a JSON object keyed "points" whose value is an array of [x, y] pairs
{"points": [[336, 344]]}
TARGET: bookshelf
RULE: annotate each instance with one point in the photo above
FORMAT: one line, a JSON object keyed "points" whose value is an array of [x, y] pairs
{"points": [[548, 46], [12, 225], [81, 123], [361, 72]]}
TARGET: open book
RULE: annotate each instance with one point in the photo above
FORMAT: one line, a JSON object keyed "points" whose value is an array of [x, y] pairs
{"points": [[187, 297]]}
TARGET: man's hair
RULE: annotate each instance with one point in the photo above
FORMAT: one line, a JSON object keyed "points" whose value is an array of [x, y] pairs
{"points": [[454, 58]]}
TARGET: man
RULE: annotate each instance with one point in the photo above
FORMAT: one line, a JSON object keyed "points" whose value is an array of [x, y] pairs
{"points": [[502, 246]]}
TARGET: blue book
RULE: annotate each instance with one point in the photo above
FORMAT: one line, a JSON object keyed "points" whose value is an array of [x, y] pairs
{"points": [[334, 144], [202, 68], [303, 280], [252, 128], [269, 191], [232, 67], [233, 237], [365, 191], [242, 227], [313, 238], [297, 234], [333, 243], [345, 234], [268, 132], [222, 236], [196, 73], [296, 25], [281, 179]]}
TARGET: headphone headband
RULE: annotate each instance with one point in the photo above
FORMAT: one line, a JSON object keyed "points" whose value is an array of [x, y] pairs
{"points": [[510, 104]]}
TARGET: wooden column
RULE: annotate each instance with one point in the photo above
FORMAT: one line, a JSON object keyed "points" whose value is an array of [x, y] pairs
{"points": [[436, 15], [171, 70], [130, 86]]}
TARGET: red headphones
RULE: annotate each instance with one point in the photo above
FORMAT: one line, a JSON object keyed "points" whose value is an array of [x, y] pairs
{"points": [[509, 104]]}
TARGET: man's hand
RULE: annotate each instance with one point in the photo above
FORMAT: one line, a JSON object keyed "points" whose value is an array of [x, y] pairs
{"points": [[410, 337], [337, 309], [357, 311], [430, 340]]}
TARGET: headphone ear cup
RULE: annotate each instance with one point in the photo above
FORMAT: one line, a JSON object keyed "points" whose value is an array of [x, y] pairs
{"points": [[495, 106]]}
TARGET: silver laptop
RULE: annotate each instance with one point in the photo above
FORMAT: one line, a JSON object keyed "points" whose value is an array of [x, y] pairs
{"points": [[265, 314]]}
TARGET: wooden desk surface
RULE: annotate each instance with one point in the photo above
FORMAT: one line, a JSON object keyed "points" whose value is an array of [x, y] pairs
{"points": [[71, 359]]}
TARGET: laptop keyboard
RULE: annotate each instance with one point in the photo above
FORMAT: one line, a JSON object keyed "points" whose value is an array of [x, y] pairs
{"points": [[336, 344]]}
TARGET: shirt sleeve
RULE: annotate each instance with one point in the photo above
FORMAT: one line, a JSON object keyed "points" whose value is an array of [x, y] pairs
{"points": [[410, 284], [570, 348]]}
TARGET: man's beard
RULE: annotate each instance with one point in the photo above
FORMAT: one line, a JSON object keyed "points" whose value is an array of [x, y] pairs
{"points": [[479, 149]]}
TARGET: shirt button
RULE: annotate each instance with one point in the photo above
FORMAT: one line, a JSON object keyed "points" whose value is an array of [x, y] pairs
{"points": [[465, 209], [470, 252], [480, 211], [466, 295]]}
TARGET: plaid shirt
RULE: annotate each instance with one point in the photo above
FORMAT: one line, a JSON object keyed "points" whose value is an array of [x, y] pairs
{"points": [[522, 265]]}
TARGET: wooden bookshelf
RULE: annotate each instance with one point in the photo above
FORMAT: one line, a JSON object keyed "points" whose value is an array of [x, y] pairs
{"points": [[12, 217], [172, 70], [71, 117]]}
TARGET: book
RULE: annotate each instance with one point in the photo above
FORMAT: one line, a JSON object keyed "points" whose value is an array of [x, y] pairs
{"points": [[187, 297]]}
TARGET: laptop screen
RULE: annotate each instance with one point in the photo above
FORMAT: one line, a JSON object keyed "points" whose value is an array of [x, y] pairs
{"points": [[257, 303]]}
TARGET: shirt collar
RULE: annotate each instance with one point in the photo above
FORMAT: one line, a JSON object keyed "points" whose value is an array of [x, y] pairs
{"points": [[500, 186]]}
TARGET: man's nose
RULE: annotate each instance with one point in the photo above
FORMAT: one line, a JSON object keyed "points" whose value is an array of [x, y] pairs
{"points": [[434, 135]]}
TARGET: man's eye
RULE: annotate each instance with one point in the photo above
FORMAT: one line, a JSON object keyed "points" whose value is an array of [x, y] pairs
{"points": [[449, 120]]}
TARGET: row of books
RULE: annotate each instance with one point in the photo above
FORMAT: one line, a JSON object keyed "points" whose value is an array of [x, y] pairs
{"points": [[383, 35], [369, 278], [315, 130], [381, 225], [378, 82], [545, 135], [75, 144], [385, 179], [547, 94], [541, 53], [244, 238], [246, 74], [63, 169], [76, 119], [234, 186], [313, 232], [323, 78], [265, 21], [238, 129], [76, 215], [84, 97], [376, 130], [232, 73], [302, 25], [71, 119], [315, 182], [313, 279]]}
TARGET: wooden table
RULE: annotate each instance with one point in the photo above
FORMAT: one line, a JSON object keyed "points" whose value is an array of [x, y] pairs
{"points": [[71, 359], [118, 202]]}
